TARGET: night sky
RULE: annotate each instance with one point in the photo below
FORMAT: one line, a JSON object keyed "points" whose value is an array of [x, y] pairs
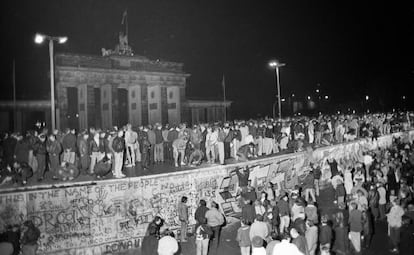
{"points": [[350, 49]]}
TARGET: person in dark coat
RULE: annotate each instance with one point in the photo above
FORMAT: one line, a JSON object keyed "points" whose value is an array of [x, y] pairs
{"points": [[341, 242], [21, 151], [30, 236], [367, 228], [22, 172], [9, 145], [243, 178], [200, 213], [248, 211], [40, 151], [54, 149], [150, 242]]}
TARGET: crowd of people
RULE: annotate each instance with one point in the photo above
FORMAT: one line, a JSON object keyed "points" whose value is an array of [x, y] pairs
{"points": [[101, 152], [329, 210], [358, 194]]}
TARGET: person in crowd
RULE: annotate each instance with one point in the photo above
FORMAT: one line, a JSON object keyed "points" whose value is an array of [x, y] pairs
{"points": [[355, 227], [196, 155], [215, 220], [373, 201], [340, 245], [211, 141], [243, 237], [159, 145], [283, 206], [67, 171], [308, 185], [259, 228], [118, 146], [69, 146], [325, 234], [179, 146], [144, 147], [53, 149], [21, 151], [382, 201], [200, 213], [152, 141], [83, 152], [367, 227], [21, 172], [39, 150], [275, 239], [257, 246], [131, 143], [203, 234], [248, 211], [299, 241], [167, 244], [183, 217], [394, 219], [94, 151], [285, 246], [311, 236], [340, 191], [29, 237]]}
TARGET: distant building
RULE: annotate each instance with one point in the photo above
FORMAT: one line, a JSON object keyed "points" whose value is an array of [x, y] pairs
{"points": [[113, 90]]}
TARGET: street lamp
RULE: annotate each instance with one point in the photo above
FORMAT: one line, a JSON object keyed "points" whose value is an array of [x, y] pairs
{"points": [[39, 39], [276, 65]]}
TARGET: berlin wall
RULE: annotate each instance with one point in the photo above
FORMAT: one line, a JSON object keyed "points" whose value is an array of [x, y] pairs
{"points": [[110, 216]]}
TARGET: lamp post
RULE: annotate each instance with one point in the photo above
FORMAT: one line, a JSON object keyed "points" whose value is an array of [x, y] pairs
{"points": [[276, 65], [39, 39]]}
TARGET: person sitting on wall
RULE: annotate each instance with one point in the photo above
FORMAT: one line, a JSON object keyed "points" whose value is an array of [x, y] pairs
{"points": [[103, 167], [247, 152], [196, 155], [67, 171], [21, 172], [6, 175]]}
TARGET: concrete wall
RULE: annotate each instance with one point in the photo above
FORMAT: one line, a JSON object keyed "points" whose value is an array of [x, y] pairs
{"points": [[111, 216]]}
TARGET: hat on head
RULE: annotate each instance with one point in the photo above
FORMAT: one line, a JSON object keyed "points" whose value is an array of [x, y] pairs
{"points": [[257, 241]]}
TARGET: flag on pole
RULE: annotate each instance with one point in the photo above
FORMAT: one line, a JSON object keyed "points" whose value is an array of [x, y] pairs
{"points": [[124, 17]]}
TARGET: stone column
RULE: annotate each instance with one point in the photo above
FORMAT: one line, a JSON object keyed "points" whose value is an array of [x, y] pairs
{"points": [[134, 105], [115, 106], [174, 104], [154, 104], [106, 106], [82, 106], [61, 108], [144, 105], [91, 106]]}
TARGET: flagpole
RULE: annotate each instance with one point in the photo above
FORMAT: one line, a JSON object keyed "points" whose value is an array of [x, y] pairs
{"points": [[224, 99], [14, 95]]}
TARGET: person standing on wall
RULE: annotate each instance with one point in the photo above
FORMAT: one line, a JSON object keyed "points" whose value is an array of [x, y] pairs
{"points": [[54, 149], [118, 145], [69, 146], [183, 216], [131, 143], [39, 149], [215, 220]]}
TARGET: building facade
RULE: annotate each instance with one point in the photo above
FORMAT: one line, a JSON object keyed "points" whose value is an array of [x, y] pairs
{"points": [[107, 91]]}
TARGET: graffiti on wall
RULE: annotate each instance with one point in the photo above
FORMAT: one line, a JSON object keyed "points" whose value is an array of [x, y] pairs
{"points": [[113, 215]]}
